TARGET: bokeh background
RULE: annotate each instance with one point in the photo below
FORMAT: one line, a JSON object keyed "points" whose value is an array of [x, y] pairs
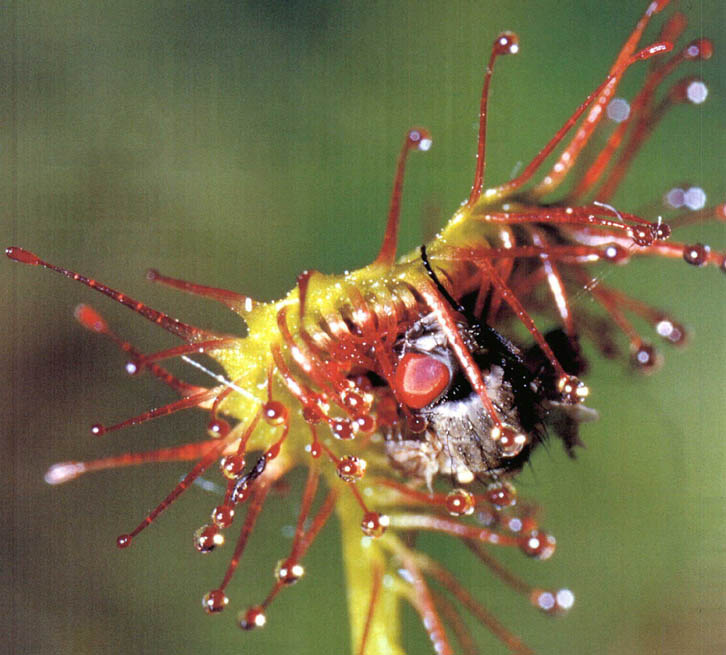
{"points": [[237, 143]]}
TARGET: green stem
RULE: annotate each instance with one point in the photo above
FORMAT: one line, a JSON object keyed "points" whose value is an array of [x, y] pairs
{"points": [[361, 558]]}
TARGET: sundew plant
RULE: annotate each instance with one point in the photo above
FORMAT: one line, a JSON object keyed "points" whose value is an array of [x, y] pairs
{"points": [[385, 446]]}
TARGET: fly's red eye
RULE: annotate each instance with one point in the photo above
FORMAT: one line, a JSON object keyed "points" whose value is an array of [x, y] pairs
{"points": [[420, 379]]}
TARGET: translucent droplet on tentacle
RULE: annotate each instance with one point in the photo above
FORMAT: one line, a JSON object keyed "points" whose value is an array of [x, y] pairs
{"points": [[459, 502], [223, 515], [289, 572], [351, 468], [207, 538], [214, 601], [374, 524], [253, 618], [538, 544]]}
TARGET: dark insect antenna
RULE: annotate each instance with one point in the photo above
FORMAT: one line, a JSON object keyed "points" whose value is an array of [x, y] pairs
{"points": [[442, 290]]}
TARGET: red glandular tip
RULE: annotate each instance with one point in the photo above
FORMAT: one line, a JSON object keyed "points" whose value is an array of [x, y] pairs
{"points": [[643, 235], [538, 544], [223, 515], [672, 332], [696, 254], [501, 494], [123, 540], [365, 424], [232, 466], [689, 89], [23, 256], [351, 468], [63, 472], [507, 43], [289, 572], [420, 139], [218, 428], [374, 524], [615, 253], [214, 601], [342, 429], [207, 538], [663, 231], [509, 442], [572, 389], [274, 412], [646, 358], [699, 49], [459, 502], [253, 618], [90, 319]]}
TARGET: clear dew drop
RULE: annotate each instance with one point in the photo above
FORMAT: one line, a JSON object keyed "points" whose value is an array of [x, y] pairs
{"points": [[618, 110], [697, 92]]}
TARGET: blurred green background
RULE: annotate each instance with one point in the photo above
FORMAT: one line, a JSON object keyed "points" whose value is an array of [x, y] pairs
{"points": [[237, 143]]}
